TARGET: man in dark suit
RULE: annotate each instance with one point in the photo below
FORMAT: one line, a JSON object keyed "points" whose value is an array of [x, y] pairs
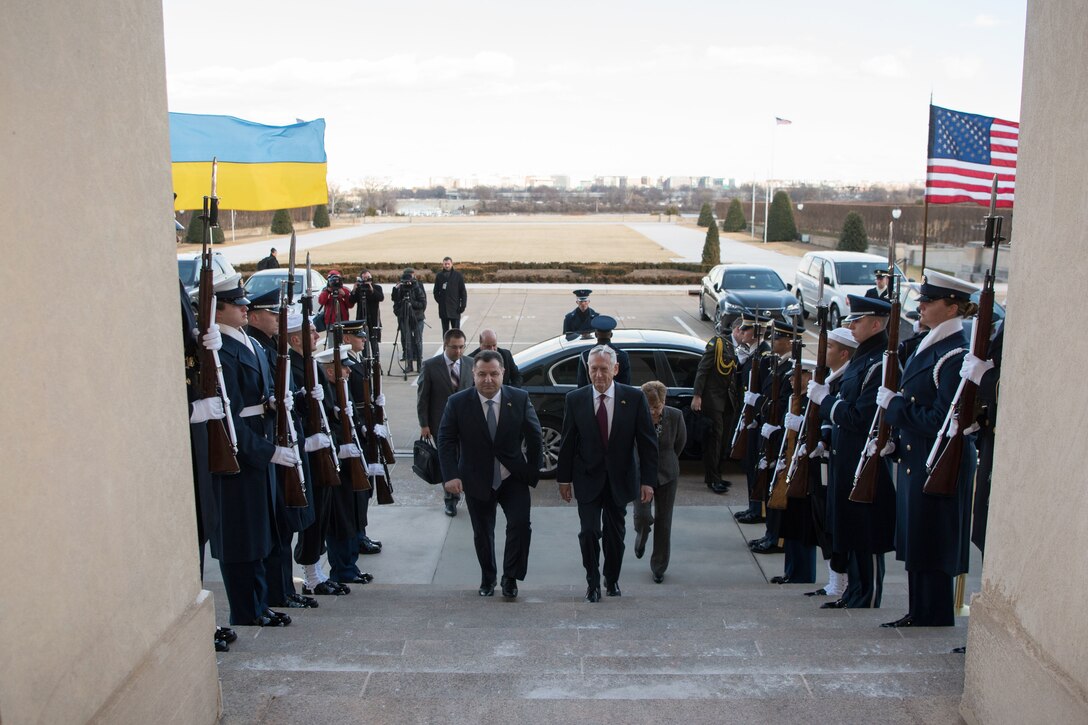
{"points": [[439, 378], [609, 455], [510, 373], [451, 295], [480, 443]]}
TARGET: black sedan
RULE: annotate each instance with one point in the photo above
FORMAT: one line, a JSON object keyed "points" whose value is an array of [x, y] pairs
{"points": [[550, 371], [729, 290]]}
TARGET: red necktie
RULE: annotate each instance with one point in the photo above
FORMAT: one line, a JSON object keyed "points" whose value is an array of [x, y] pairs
{"points": [[602, 421]]}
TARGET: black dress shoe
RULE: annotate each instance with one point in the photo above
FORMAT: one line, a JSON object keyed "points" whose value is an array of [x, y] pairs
{"points": [[487, 589], [509, 587], [904, 621], [451, 508], [280, 616], [366, 546], [718, 487], [288, 604], [837, 604], [266, 621], [221, 645], [959, 650], [373, 541], [658, 578], [751, 518], [612, 589], [640, 542], [770, 548], [780, 580], [307, 602], [226, 634], [757, 542], [328, 587], [593, 594], [821, 592], [362, 577]]}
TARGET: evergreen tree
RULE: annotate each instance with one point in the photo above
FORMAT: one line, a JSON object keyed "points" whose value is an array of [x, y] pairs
{"points": [[853, 237], [321, 217], [780, 225], [281, 222], [195, 233], [734, 218], [706, 215], [712, 249]]}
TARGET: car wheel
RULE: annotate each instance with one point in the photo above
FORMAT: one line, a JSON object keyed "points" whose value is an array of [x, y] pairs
{"points": [[702, 307], [801, 301], [552, 436], [717, 315], [834, 319]]}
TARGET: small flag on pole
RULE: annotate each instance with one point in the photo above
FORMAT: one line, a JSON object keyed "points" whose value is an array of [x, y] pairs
{"points": [[965, 152], [782, 121], [260, 167]]}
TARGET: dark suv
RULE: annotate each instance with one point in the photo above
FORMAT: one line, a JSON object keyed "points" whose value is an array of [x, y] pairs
{"points": [[550, 371]]}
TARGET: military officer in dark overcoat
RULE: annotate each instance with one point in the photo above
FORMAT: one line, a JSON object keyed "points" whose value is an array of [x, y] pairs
{"points": [[602, 326], [863, 532], [716, 398], [759, 349], [932, 532], [246, 499], [577, 320], [882, 290]]}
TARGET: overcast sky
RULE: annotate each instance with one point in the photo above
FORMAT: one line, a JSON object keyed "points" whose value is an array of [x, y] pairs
{"points": [[418, 90]]}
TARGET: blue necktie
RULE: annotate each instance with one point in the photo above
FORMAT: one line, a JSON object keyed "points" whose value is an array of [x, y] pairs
{"points": [[492, 426]]}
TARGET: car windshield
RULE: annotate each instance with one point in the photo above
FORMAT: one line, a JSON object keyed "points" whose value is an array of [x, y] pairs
{"points": [[188, 269], [259, 285], [764, 279], [861, 273]]}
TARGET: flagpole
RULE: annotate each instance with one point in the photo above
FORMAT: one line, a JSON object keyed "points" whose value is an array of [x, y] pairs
{"points": [[925, 230], [770, 177], [753, 206]]}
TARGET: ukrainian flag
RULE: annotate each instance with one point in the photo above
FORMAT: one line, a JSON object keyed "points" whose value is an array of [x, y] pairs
{"points": [[260, 167]]}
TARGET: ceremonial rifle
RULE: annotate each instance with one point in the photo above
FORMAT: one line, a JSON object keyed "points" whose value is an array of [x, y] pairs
{"points": [[377, 465], [797, 476], [763, 475], [294, 481], [740, 435], [945, 459], [780, 487], [868, 469], [324, 463], [222, 438], [356, 470]]}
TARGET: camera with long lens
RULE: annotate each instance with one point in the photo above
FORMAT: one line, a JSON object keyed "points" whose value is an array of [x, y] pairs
{"points": [[335, 282]]}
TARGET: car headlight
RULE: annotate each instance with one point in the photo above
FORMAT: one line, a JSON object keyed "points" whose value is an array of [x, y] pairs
{"points": [[793, 310], [732, 308]]}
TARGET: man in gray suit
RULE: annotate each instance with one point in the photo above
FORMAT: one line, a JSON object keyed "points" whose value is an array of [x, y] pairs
{"points": [[439, 378]]}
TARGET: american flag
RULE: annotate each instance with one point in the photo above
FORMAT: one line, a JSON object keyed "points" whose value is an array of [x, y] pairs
{"points": [[965, 151]]}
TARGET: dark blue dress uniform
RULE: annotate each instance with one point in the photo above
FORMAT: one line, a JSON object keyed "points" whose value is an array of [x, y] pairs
{"points": [[863, 532], [577, 321], [933, 532], [773, 365], [246, 499], [604, 323], [311, 539], [750, 463]]}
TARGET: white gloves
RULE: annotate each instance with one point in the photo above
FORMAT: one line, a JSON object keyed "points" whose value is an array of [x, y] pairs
{"points": [[317, 441], [820, 452], [793, 422], [870, 449], [350, 450], [317, 393], [207, 409], [753, 424], [284, 456], [212, 339], [762, 463], [769, 430], [751, 399], [780, 465], [884, 396], [379, 400], [288, 402], [382, 431], [817, 391], [917, 326], [974, 368]]}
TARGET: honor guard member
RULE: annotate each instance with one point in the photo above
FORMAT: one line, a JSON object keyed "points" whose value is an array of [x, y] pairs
{"points": [[932, 532], [602, 326], [882, 291], [716, 397], [777, 364], [246, 499], [342, 539], [798, 530], [986, 375], [359, 388], [263, 327], [863, 532], [758, 348], [311, 540], [577, 320]]}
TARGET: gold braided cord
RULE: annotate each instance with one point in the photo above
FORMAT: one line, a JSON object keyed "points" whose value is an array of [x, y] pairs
{"points": [[725, 367]]}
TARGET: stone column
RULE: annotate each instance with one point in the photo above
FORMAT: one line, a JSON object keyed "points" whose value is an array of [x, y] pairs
{"points": [[102, 616], [1026, 642]]}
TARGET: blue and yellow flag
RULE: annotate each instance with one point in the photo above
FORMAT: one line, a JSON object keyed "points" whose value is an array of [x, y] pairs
{"points": [[260, 167]]}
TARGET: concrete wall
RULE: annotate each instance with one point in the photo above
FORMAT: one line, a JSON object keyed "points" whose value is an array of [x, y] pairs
{"points": [[1026, 654], [102, 616]]}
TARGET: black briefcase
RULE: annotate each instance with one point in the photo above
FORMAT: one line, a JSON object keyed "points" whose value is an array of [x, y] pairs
{"points": [[425, 461]]}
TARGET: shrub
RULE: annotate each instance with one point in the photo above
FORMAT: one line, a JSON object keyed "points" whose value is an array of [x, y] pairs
{"points": [[853, 237], [712, 250], [734, 218], [706, 215], [780, 225], [281, 222], [195, 233], [321, 217]]}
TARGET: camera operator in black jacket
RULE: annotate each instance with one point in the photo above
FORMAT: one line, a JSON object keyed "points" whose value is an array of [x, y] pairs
{"points": [[409, 303], [365, 296]]}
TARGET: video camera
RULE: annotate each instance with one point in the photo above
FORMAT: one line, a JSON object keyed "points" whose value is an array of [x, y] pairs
{"points": [[335, 282]]}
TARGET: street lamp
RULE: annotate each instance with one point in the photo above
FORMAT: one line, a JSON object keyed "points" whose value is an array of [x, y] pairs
{"points": [[896, 213]]}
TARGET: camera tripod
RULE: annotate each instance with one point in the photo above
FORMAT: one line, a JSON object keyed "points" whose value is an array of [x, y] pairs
{"points": [[403, 337]]}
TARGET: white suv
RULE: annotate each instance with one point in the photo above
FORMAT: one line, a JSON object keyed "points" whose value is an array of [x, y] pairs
{"points": [[845, 273]]}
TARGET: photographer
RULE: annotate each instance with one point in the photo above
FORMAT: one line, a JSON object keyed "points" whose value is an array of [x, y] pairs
{"points": [[365, 296], [409, 303], [334, 290]]}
